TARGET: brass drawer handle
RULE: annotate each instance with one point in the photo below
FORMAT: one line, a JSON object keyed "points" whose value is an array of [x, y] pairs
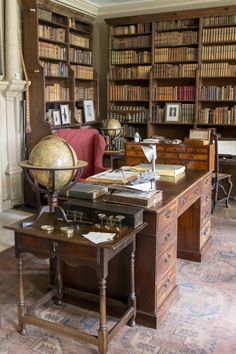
{"points": [[167, 283], [167, 236], [168, 213], [184, 200], [167, 258]]}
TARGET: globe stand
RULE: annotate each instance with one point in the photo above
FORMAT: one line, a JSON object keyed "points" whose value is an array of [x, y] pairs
{"points": [[111, 134], [51, 192]]}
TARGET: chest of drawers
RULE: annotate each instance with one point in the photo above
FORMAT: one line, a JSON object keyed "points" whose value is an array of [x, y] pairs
{"points": [[193, 157]]}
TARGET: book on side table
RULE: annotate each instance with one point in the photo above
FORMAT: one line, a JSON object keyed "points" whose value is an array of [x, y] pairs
{"points": [[162, 169]]}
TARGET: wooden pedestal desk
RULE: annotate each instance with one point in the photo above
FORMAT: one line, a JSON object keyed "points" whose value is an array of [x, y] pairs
{"points": [[177, 226], [76, 251]]}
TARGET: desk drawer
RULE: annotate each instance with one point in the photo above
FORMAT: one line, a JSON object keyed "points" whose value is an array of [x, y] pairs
{"points": [[188, 197], [165, 286], [166, 260], [187, 156], [206, 184], [167, 237], [168, 155], [47, 247], [205, 213], [132, 161], [175, 148], [167, 216], [197, 150], [206, 198], [205, 233]]}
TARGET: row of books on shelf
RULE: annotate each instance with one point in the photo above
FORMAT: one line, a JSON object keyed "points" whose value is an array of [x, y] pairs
{"points": [[138, 117], [173, 93], [49, 50], [175, 38], [56, 92], [79, 40], [54, 69], [80, 56], [130, 57], [173, 71], [186, 113], [223, 34], [133, 72], [128, 92], [120, 143], [219, 20], [52, 33], [175, 54], [131, 42], [131, 29], [77, 25], [217, 69], [44, 15], [219, 52], [84, 93], [83, 72], [176, 24], [219, 115], [227, 93]]}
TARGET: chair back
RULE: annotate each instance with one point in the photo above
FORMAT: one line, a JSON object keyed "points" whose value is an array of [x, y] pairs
{"points": [[89, 146]]}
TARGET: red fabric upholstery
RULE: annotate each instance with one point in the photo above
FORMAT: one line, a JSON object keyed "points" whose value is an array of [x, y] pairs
{"points": [[89, 146]]}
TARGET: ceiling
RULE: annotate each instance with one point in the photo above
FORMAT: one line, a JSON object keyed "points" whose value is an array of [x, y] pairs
{"points": [[115, 8]]}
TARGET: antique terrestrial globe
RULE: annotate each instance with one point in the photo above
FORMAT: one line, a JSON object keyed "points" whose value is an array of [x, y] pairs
{"points": [[51, 167], [112, 131]]}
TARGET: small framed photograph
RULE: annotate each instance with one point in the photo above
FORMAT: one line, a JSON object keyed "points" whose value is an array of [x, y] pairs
{"points": [[56, 117], [89, 115], [65, 113], [79, 115], [172, 112]]}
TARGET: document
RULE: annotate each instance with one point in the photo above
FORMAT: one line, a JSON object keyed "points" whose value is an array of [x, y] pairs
{"points": [[99, 237]]}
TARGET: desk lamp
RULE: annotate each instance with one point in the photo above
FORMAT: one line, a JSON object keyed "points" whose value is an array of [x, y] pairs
{"points": [[150, 153]]}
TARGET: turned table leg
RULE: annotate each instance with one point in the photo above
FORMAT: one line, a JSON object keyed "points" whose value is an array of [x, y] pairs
{"points": [[102, 332], [21, 304], [132, 296]]}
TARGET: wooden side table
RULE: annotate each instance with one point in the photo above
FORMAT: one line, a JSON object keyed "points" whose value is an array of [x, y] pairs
{"points": [[76, 251], [114, 159]]}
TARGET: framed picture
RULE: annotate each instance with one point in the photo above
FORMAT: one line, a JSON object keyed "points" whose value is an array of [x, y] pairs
{"points": [[56, 117], [89, 115], [204, 134], [79, 115], [65, 113], [172, 112]]}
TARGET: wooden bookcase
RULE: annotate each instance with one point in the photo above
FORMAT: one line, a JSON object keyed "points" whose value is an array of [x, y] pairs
{"points": [[58, 53], [191, 71]]}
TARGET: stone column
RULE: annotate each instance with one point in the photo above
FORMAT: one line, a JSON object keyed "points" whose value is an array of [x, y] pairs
{"points": [[11, 132], [1, 39]]}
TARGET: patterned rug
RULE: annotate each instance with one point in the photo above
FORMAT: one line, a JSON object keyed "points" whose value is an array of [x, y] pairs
{"points": [[202, 321]]}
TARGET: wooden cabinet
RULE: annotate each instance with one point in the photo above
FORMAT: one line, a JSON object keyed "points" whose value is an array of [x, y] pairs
{"points": [[197, 157], [58, 53], [180, 72]]}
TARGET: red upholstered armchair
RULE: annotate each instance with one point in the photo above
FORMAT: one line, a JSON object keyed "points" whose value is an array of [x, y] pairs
{"points": [[89, 146]]}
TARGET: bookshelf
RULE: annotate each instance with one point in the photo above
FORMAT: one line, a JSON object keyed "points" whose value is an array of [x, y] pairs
{"points": [[130, 48], [58, 53], [189, 68]]}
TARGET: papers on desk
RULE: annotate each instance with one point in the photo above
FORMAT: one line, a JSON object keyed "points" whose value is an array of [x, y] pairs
{"points": [[99, 237]]}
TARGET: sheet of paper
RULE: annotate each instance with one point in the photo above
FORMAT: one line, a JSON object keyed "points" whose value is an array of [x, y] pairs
{"points": [[99, 237]]}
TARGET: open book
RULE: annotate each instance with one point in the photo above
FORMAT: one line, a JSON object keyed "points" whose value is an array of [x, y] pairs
{"points": [[118, 176]]}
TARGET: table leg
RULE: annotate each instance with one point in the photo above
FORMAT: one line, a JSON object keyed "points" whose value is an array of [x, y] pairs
{"points": [[102, 332], [21, 304], [58, 282], [132, 296]]}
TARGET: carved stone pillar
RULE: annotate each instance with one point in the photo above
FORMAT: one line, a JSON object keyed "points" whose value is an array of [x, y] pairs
{"points": [[11, 132]]}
